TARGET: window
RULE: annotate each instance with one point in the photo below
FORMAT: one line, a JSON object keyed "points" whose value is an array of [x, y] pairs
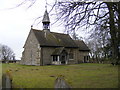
{"points": [[54, 58], [71, 55], [86, 59]]}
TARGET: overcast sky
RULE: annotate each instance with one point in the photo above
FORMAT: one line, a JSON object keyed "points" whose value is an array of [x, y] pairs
{"points": [[15, 24]]}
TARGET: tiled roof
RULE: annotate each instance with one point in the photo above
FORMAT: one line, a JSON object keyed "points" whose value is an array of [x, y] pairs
{"points": [[82, 46], [46, 38], [58, 51], [52, 39]]}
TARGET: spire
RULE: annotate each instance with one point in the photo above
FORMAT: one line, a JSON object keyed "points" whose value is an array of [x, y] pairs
{"points": [[46, 21], [46, 17]]}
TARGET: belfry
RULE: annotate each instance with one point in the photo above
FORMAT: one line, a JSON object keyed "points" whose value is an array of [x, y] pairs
{"points": [[46, 21]]}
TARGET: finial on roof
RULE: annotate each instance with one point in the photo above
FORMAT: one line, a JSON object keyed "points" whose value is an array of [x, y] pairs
{"points": [[46, 5], [31, 26]]}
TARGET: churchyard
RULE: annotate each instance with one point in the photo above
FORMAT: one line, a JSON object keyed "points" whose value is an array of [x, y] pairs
{"points": [[87, 75]]}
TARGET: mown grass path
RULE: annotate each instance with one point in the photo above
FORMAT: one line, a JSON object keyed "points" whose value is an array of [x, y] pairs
{"points": [[78, 75]]}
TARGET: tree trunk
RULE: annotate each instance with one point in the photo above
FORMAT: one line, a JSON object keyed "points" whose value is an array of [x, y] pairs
{"points": [[113, 32], [119, 30]]}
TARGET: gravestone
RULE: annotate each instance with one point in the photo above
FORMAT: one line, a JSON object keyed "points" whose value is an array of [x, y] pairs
{"points": [[6, 82], [61, 83]]}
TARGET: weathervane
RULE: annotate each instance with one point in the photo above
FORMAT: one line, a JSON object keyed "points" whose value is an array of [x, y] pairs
{"points": [[46, 4]]}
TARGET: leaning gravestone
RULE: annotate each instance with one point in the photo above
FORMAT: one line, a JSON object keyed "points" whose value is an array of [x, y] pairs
{"points": [[61, 83]]}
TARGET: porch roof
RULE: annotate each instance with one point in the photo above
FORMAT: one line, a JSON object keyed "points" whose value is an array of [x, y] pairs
{"points": [[58, 51]]}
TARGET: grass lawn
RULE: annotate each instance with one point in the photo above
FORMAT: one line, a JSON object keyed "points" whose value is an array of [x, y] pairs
{"points": [[78, 75]]}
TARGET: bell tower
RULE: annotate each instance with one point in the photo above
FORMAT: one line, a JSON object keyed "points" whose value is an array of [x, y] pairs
{"points": [[46, 21]]}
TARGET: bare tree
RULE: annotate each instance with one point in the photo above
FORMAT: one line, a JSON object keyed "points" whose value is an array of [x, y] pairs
{"points": [[102, 17], [7, 53], [0, 52]]}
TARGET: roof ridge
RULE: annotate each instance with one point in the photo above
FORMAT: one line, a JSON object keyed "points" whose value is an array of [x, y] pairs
{"points": [[59, 33], [36, 29], [50, 32]]}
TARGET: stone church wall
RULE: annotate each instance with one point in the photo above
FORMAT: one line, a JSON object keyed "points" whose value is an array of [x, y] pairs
{"points": [[47, 52], [30, 54], [74, 60], [81, 55]]}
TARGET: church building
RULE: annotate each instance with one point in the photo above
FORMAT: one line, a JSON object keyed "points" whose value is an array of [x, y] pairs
{"points": [[44, 47]]}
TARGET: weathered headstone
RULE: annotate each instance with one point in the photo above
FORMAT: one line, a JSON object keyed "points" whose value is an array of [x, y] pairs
{"points": [[61, 83], [6, 82]]}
